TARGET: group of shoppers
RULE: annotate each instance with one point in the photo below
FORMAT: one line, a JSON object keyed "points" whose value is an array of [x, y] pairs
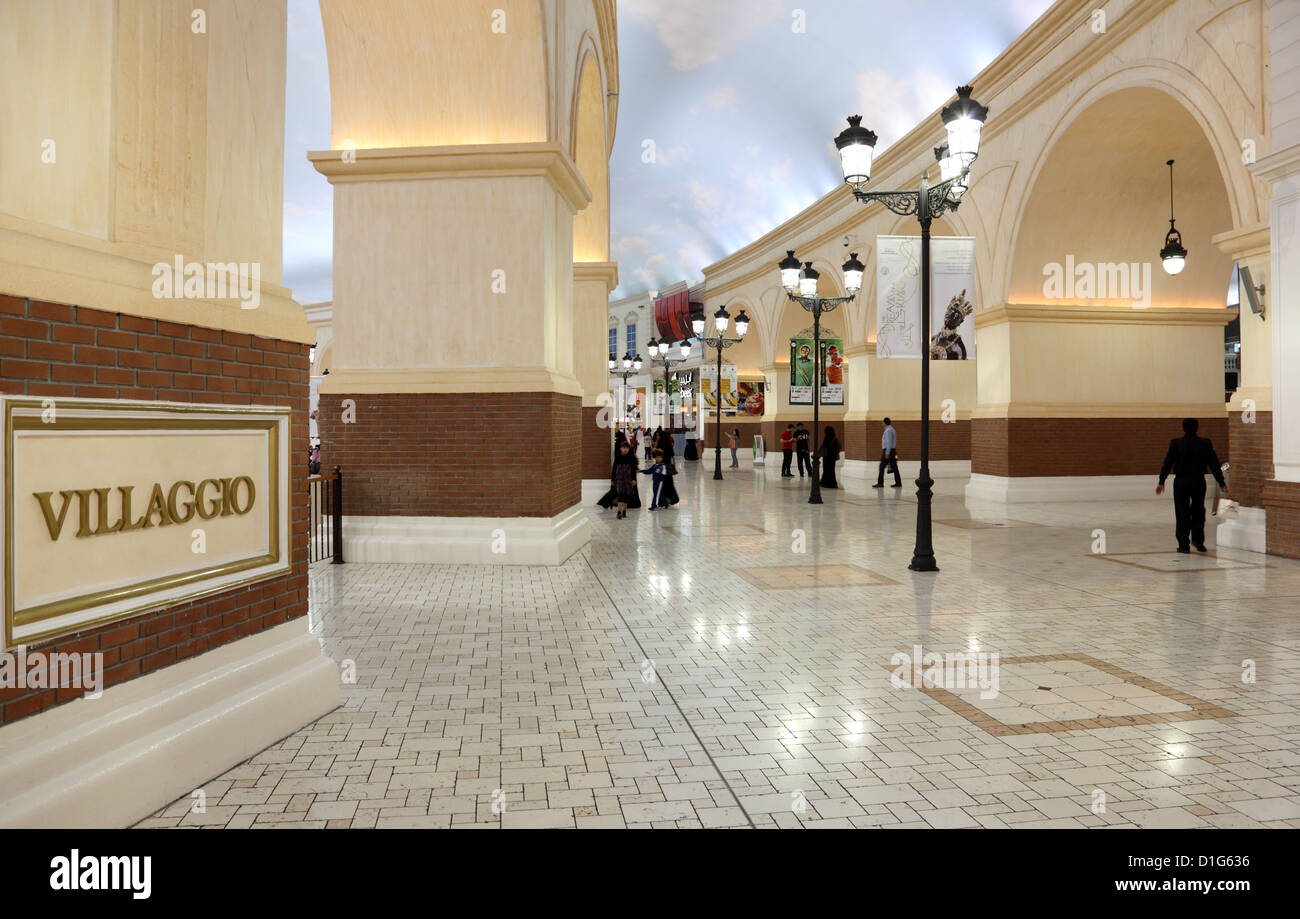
{"points": [[795, 442], [1189, 458], [623, 491]]}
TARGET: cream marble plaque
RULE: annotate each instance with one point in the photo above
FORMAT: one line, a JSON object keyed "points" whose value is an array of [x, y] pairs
{"points": [[112, 508]]}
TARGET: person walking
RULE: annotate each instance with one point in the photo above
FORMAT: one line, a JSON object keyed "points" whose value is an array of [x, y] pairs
{"points": [[734, 438], [663, 442], [1189, 457], [622, 482], [647, 438], [787, 451], [802, 439], [829, 453], [888, 457], [661, 482]]}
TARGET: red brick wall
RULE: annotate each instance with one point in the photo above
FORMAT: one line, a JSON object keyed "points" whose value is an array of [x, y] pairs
{"points": [[1281, 517], [49, 349], [455, 454], [597, 444], [948, 440], [1251, 446], [1081, 446]]}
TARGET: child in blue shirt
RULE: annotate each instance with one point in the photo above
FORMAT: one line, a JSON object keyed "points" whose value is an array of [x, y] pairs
{"points": [[659, 472]]}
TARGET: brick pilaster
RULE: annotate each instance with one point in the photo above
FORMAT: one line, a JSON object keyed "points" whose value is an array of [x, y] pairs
{"points": [[54, 349]]}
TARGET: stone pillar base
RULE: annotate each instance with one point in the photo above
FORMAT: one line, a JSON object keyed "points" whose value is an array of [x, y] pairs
{"points": [[1246, 531], [467, 540], [112, 761], [1282, 503]]}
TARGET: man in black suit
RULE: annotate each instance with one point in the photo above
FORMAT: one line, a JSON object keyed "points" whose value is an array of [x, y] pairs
{"points": [[1189, 457]]}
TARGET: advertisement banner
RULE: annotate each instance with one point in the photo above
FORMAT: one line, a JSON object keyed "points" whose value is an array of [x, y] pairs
{"points": [[750, 400], [898, 297], [709, 387], [833, 367], [801, 371]]}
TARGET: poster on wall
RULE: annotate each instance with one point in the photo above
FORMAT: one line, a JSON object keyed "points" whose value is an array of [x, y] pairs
{"points": [[709, 387], [833, 366], [952, 292], [750, 399], [801, 371], [802, 368]]}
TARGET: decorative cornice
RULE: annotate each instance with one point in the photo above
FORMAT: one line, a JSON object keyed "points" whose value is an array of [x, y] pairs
{"points": [[59, 270], [457, 162], [597, 271], [1243, 243], [1278, 165], [1121, 315]]}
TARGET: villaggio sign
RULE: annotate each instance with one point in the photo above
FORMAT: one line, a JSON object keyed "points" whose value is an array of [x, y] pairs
{"points": [[111, 508], [182, 502]]}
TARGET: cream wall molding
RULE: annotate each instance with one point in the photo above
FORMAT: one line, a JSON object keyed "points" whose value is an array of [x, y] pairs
{"points": [[457, 162], [597, 271], [1114, 315], [1244, 242], [1279, 165], [460, 380], [81, 274]]}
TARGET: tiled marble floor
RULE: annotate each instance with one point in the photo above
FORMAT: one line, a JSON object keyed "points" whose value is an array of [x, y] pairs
{"points": [[681, 671]]}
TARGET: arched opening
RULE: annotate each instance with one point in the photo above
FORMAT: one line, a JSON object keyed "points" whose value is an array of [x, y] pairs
{"points": [[1101, 200], [591, 155]]}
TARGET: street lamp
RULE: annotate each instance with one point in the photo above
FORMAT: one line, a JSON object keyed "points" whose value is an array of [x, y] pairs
{"points": [[963, 120], [1173, 256], [659, 355], [801, 287], [630, 365], [720, 342]]}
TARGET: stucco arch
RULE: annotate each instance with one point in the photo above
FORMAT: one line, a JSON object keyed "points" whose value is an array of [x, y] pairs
{"points": [[1202, 108], [590, 152], [1072, 214]]}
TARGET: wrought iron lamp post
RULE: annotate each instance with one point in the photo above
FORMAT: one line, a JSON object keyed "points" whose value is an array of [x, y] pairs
{"points": [[630, 365], [963, 119], [720, 342], [659, 355], [801, 287]]}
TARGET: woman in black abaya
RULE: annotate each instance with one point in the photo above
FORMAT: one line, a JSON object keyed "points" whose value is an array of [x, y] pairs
{"points": [[830, 452], [622, 479]]}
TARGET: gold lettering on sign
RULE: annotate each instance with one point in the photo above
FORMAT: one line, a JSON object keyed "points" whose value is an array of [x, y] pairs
{"points": [[52, 523], [229, 497]]}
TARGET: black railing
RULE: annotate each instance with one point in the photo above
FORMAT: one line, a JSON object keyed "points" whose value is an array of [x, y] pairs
{"points": [[325, 530]]}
